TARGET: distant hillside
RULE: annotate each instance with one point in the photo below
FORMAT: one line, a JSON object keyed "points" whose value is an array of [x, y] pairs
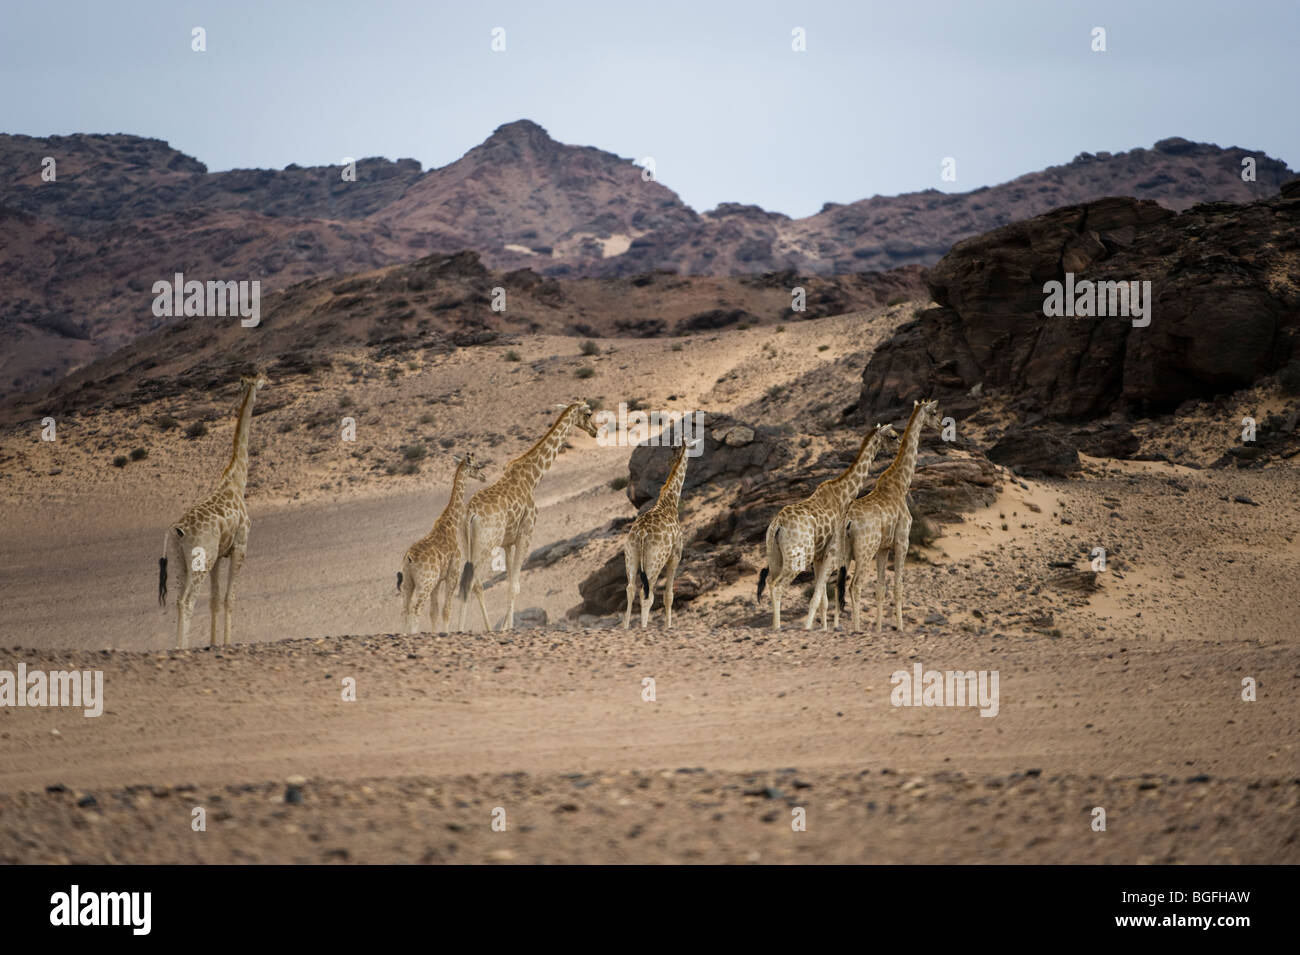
{"points": [[80, 254]]}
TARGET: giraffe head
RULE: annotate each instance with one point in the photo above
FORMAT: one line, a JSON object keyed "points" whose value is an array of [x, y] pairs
{"points": [[888, 436], [928, 414], [473, 466], [253, 382], [580, 414]]}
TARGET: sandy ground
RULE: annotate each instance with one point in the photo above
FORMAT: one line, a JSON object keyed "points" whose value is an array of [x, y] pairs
{"points": [[745, 727], [1128, 698]]}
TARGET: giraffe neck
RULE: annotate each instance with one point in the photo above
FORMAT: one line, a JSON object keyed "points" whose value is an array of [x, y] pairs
{"points": [[236, 473], [529, 467], [670, 494], [848, 485], [455, 509], [898, 476]]}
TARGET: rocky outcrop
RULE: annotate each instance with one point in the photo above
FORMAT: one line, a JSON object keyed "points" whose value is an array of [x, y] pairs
{"points": [[1223, 313]]}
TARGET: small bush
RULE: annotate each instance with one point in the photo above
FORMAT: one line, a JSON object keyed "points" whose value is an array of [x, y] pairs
{"points": [[590, 348], [677, 346], [119, 461], [409, 467], [139, 454], [896, 300], [780, 328], [346, 402], [619, 483], [512, 355], [285, 427], [166, 422], [426, 418], [197, 430], [413, 452], [823, 347], [586, 371]]}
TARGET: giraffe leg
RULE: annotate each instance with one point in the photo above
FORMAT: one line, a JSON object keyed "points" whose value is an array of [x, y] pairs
{"points": [[214, 599], [882, 556], [235, 565], [448, 589], [433, 607], [424, 592], [514, 564], [185, 606], [821, 569], [670, 572], [631, 561], [648, 599], [855, 593], [482, 606], [408, 599], [901, 541]]}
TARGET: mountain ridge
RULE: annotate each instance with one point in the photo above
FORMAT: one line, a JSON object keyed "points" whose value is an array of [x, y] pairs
{"points": [[81, 253]]}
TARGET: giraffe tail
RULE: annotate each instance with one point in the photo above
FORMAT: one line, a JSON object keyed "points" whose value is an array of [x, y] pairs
{"points": [[471, 542], [645, 582], [844, 573], [775, 561], [162, 572], [399, 581]]}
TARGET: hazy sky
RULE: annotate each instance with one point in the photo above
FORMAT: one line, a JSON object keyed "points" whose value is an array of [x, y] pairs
{"points": [[711, 90]]}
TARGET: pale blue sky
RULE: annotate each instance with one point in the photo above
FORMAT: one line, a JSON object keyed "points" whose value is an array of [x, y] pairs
{"points": [[711, 90]]}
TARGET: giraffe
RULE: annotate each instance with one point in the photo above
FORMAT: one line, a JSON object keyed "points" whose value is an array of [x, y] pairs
{"points": [[430, 565], [212, 530], [881, 521], [809, 533], [503, 513], [654, 543]]}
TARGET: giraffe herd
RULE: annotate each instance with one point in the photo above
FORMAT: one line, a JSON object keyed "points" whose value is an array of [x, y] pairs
{"points": [[824, 533]]}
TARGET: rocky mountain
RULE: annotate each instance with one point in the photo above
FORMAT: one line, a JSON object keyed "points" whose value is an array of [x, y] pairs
{"points": [[80, 254], [1224, 312], [432, 306]]}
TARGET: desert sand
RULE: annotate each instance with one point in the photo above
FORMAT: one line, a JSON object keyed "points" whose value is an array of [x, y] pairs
{"points": [[1126, 697]]}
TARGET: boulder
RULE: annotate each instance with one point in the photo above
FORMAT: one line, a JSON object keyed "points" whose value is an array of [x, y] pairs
{"points": [[1035, 452], [1218, 320], [731, 451]]}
